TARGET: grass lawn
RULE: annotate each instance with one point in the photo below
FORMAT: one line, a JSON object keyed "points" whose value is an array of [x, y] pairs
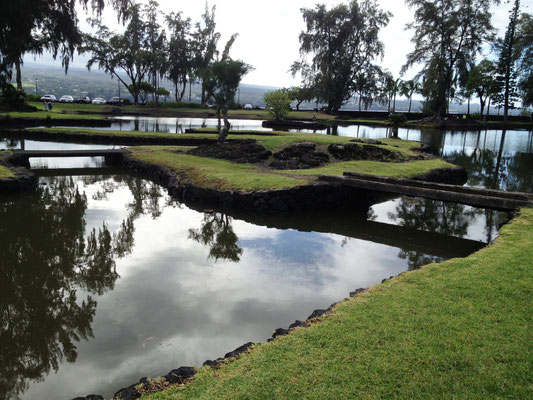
{"points": [[456, 330], [224, 174], [6, 173]]}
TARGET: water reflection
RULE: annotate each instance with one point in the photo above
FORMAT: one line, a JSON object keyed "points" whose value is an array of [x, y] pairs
{"points": [[50, 274], [217, 233], [107, 279]]}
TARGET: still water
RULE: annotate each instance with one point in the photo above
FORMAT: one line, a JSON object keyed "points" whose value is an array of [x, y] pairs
{"points": [[107, 279]]}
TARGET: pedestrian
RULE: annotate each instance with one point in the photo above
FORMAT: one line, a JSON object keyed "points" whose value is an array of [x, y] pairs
{"points": [[49, 106], [45, 106]]}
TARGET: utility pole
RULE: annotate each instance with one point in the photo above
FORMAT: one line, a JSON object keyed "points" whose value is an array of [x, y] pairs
{"points": [[118, 88], [190, 85], [36, 89], [239, 96]]}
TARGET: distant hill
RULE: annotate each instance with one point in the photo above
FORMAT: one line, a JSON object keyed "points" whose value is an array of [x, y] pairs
{"points": [[46, 79]]}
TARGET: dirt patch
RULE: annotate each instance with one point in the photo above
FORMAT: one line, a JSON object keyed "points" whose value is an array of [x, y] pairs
{"points": [[243, 151]]}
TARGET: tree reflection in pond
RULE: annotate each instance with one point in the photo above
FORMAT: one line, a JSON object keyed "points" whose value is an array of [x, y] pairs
{"points": [[217, 233], [450, 219], [46, 263]]}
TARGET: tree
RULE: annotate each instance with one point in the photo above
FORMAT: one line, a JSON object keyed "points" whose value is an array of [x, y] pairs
{"points": [[390, 89], [481, 81], [342, 41], [301, 94], [509, 53], [447, 35], [115, 52], [222, 80], [365, 86], [180, 53], [162, 92], [155, 45], [144, 89], [205, 47], [525, 62], [278, 103], [408, 88], [38, 25]]}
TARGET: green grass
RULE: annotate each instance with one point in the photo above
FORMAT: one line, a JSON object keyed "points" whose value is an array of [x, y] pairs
{"points": [[394, 170], [224, 174], [6, 173], [456, 330], [213, 173]]}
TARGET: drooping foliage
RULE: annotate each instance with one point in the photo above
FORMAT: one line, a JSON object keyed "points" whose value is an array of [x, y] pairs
{"points": [[448, 34], [342, 42]]}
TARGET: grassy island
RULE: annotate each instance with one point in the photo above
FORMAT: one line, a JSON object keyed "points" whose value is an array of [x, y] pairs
{"points": [[224, 174], [456, 330]]}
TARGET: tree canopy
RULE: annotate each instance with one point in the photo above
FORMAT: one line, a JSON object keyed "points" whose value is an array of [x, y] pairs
{"points": [[342, 42], [448, 34]]}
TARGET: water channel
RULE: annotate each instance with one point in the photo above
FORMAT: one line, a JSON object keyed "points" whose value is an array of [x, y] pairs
{"points": [[105, 278]]}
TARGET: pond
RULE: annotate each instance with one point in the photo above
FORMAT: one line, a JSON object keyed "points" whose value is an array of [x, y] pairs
{"points": [[105, 279]]}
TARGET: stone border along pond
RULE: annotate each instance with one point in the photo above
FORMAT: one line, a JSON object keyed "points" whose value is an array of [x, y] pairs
{"points": [[301, 198]]}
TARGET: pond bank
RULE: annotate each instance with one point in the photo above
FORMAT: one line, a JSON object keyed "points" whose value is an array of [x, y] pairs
{"points": [[456, 329], [447, 330]]}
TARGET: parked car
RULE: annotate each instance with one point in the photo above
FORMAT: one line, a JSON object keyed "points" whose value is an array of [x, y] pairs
{"points": [[98, 100], [117, 101], [66, 99], [248, 107], [83, 100], [48, 97]]}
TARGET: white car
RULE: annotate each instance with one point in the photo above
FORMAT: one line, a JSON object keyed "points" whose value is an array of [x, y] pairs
{"points": [[248, 107], [48, 97], [99, 100], [66, 99]]}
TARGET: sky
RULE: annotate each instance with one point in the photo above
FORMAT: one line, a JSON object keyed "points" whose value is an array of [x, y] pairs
{"points": [[268, 33]]}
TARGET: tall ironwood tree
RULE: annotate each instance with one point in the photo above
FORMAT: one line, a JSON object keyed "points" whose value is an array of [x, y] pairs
{"points": [[343, 41], [39, 25], [448, 34]]}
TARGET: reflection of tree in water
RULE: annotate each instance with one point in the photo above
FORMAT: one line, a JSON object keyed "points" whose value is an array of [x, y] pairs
{"points": [[46, 262], [451, 219], [146, 195], [217, 233]]}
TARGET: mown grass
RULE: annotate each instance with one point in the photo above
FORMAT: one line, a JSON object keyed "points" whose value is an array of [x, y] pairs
{"points": [[224, 174], [212, 173], [456, 330], [6, 173]]}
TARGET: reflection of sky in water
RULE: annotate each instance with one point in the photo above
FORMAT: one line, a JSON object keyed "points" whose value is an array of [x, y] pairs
{"points": [[173, 305]]}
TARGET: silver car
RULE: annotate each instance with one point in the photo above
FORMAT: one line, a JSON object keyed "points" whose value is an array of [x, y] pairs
{"points": [[66, 99], [99, 100]]}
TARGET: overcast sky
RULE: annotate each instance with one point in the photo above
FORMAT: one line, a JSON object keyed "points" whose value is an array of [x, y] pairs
{"points": [[269, 32]]}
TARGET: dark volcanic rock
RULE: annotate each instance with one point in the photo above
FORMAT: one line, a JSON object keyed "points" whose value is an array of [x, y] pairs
{"points": [[317, 313], [280, 332], [239, 350], [354, 151], [242, 151], [213, 363], [298, 324], [299, 156], [180, 375], [129, 393]]}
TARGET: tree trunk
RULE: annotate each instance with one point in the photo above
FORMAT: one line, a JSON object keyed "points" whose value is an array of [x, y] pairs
{"points": [[176, 90], [394, 104], [359, 103], [224, 131], [488, 107], [19, 75], [468, 109], [184, 88], [481, 105], [410, 100]]}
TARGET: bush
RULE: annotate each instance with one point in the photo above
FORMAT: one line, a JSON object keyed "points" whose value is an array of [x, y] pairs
{"points": [[476, 116], [397, 119], [277, 103], [11, 98]]}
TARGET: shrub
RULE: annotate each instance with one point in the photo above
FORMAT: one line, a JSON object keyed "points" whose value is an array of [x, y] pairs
{"points": [[277, 103], [397, 119]]}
